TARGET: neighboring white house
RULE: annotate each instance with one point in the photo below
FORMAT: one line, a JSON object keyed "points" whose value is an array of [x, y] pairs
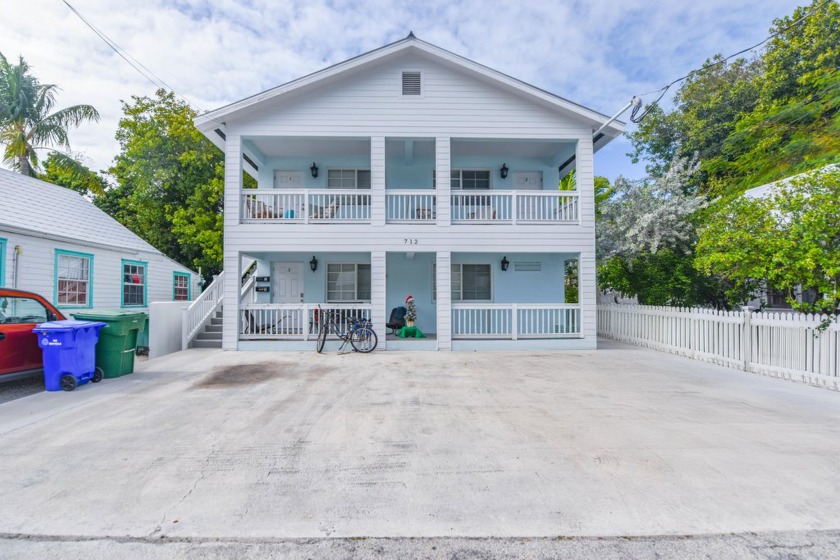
{"points": [[409, 170], [770, 299], [56, 243]]}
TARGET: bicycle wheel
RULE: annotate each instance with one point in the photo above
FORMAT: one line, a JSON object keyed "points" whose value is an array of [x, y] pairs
{"points": [[322, 338], [363, 339]]}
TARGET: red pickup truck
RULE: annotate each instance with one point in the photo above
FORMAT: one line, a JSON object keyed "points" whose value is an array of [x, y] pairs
{"points": [[20, 311]]}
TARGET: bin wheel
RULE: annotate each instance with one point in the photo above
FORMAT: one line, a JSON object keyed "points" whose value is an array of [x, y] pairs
{"points": [[97, 375], [68, 382]]}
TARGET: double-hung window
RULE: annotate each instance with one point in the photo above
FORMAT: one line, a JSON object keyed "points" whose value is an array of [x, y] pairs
{"points": [[348, 179], [181, 286], [348, 282], [134, 275], [470, 179], [73, 273], [470, 282], [2, 262]]}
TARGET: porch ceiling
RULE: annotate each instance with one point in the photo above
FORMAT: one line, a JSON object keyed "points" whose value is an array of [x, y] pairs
{"points": [[512, 148], [310, 146]]}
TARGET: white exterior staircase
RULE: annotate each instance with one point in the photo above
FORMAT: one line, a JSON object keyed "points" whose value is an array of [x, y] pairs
{"points": [[211, 335]]}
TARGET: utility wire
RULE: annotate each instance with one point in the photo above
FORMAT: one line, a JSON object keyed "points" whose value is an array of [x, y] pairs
{"points": [[133, 62], [663, 90]]}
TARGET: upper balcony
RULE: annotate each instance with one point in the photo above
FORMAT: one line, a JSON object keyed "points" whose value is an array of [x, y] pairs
{"points": [[410, 181], [416, 207]]}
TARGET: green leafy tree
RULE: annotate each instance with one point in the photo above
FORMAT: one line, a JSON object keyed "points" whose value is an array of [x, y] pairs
{"points": [[789, 239], [170, 181], [27, 120], [68, 172]]}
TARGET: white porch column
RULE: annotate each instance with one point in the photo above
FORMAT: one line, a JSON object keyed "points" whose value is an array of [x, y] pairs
{"points": [[231, 260], [587, 280], [377, 180], [378, 303], [443, 277], [443, 177]]}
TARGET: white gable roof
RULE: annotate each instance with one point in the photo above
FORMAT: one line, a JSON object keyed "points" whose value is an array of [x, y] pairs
{"points": [[31, 205], [214, 120], [766, 190]]}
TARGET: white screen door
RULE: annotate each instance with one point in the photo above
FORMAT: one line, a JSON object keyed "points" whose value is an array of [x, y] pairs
{"points": [[287, 287]]}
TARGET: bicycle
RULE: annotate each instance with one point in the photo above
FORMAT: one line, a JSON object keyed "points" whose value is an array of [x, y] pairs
{"points": [[358, 332]]}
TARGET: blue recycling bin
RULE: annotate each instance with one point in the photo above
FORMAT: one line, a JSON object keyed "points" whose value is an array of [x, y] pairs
{"points": [[69, 349]]}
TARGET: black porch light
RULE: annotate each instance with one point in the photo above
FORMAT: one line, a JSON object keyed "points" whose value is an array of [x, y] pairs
{"points": [[314, 170], [505, 263], [313, 264], [503, 172]]}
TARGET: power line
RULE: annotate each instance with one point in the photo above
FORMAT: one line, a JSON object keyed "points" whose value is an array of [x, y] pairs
{"points": [[663, 90]]}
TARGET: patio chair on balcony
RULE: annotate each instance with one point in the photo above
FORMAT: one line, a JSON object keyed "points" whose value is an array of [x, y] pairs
{"points": [[256, 209], [397, 319], [328, 213]]}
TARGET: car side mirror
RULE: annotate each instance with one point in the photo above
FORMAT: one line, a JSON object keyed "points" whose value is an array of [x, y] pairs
{"points": [[51, 316]]}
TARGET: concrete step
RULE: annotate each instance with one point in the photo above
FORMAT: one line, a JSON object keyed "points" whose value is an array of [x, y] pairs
{"points": [[215, 321], [206, 343], [213, 328], [209, 335]]}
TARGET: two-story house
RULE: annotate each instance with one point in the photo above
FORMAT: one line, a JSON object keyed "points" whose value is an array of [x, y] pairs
{"points": [[410, 170]]}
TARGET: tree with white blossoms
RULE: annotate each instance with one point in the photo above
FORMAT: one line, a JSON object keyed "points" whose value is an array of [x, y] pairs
{"points": [[646, 233], [650, 215]]}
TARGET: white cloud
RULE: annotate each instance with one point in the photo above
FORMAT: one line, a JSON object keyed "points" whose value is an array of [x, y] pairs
{"points": [[597, 53]]}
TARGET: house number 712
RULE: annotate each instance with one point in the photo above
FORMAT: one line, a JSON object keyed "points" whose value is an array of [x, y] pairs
{"points": [[409, 241]]}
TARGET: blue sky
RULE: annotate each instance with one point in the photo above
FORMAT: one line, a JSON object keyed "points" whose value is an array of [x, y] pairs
{"points": [[597, 53]]}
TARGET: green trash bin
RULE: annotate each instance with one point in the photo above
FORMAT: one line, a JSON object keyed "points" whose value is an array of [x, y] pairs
{"points": [[117, 339], [143, 338]]}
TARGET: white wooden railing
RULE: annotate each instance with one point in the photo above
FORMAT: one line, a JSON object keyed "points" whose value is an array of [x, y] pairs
{"points": [[199, 313], [309, 206], [293, 321], [305, 206], [515, 321], [786, 345], [410, 206]]}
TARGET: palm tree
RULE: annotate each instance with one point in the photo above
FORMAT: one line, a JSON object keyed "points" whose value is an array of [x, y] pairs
{"points": [[26, 121]]}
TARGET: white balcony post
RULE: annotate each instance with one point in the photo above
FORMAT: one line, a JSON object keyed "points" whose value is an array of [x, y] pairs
{"points": [[378, 294], [444, 297], [233, 199], [377, 180], [443, 179]]}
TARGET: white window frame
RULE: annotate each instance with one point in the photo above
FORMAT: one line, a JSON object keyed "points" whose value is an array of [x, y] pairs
{"points": [[355, 171], [356, 298], [458, 268]]}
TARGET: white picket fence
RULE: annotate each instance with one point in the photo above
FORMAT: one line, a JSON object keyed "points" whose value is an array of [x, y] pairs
{"points": [[785, 345]]}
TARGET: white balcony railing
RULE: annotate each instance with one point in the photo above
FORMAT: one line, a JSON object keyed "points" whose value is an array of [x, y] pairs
{"points": [[293, 321], [306, 206], [409, 206], [515, 321]]}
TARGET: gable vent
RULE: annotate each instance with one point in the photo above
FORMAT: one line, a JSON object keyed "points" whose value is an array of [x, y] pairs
{"points": [[411, 83]]}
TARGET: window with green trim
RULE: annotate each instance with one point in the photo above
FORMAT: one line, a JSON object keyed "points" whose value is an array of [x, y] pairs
{"points": [[134, 284], [181, 287], [73, 278], [2, 262]]}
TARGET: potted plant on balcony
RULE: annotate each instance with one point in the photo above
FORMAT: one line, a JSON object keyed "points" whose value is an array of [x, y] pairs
{"points": [[411, 311]]}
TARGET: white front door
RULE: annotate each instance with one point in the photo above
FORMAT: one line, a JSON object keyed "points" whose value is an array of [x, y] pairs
{"points": [[287, 287], [287, 282]]}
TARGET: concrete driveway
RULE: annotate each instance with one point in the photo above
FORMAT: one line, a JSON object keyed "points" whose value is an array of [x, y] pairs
{"points": [[616, 442]]}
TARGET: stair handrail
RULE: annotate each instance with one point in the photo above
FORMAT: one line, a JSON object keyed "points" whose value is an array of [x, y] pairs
{"points": [[199, 313]]}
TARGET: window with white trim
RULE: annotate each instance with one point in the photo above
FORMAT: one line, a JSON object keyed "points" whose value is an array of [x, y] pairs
{"points": [[73, 279], [348, 282], [348, 179], [134, 284], [466, 179], [470, 282]]}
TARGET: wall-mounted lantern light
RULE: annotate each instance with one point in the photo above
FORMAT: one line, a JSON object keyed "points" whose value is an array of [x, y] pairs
{"points": [[314, 170], [313, 264], [505, 263], [503, 172]]}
